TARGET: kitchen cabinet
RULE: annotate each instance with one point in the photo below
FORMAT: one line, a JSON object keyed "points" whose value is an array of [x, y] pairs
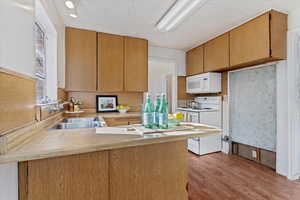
{"points": [[81, 60], [216, 54], [105, 62], [136, 65], [110, 63], [128, 173], [149, 172], [181, 89], [76, 177], [195, 61], [260, 40]]}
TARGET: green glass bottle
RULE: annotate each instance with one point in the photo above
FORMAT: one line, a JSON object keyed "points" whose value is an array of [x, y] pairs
{"points": [[163, 113], [148, 112], [156, 114]]}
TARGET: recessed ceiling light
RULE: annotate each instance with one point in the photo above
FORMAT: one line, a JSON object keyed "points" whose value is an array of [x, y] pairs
{"points": [[73, 15], [177, 13], [70, 4]]}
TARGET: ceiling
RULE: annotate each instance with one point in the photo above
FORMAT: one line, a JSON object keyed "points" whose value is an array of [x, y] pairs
{"points": [[138, 18]]}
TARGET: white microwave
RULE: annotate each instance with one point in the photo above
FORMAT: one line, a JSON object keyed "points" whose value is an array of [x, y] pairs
{"points": [[204, 83]]}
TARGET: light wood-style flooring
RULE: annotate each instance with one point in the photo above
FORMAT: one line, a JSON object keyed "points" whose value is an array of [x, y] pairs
{"points": [[229, 177]]}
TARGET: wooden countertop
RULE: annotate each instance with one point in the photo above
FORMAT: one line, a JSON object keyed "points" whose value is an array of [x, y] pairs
{"points": [[55, 143]]}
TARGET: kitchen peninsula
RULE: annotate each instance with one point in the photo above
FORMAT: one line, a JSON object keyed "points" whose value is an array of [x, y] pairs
{"points": [[80, 164]]}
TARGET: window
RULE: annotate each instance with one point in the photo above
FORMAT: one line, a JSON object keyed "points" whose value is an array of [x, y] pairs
{"points": [[40, 62]]}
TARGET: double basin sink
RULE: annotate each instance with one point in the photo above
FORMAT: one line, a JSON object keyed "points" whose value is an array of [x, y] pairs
{"points": [[76, 123], [91, 122]]}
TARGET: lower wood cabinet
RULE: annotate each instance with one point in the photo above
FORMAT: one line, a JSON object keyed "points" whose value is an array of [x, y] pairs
{"points": [[149, 172], [77, 177]]}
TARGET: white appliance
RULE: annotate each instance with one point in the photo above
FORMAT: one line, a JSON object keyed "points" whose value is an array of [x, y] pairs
{"points": [[204, 83], [209, 114]]}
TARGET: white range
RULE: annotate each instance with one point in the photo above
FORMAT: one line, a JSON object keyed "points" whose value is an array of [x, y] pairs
{"points": [[209, 113]]}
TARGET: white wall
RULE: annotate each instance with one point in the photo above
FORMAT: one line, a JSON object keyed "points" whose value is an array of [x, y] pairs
{"points": [[45, 23], [157, 70], [9, 181], [294, 19], [282, 120], [17, 18], [173, 55], [58, 23], [289, 155], [16, 35], [16, 53]]}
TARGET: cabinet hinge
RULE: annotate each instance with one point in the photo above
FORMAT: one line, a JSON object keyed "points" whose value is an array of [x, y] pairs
{"points": [[26, 186]]}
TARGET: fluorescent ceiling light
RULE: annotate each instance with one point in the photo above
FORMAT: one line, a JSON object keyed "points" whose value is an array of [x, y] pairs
{"points": [[73, 15], [177, 13], [70, 4]]}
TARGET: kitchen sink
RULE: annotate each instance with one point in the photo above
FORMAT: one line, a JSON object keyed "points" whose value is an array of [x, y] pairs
{"points": [[77, 123], [81, 119]]}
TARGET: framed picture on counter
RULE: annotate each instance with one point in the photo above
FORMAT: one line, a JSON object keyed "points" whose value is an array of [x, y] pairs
{"points": [[106, 103]]}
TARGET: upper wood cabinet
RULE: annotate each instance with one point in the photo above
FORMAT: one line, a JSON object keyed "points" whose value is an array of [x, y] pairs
{"points": [[105, 63], [181, 89], [216, 54], [136, 65], [259, 40], [110, 63], [81, 60], [195, 61]]}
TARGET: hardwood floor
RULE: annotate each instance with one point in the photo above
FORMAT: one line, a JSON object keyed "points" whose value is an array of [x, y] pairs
{"points": [[229, 177]]}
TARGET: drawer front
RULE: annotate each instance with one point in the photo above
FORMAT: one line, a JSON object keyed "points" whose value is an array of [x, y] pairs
{"points": [[122, 121]]}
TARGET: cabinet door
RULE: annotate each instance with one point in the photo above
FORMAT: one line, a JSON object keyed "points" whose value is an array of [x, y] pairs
{"points": [[149, 172], [83, 176], [216, 54], [181, 89], [250, 42], [110, 63], [81, 60], [120, 121], [195, 61], [136, 65]]}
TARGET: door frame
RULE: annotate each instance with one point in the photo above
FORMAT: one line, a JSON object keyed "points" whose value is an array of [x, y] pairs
{"points": [[293, 89]]}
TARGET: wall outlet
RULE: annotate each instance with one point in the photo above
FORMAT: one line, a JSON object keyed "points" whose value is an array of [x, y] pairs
{"points": [[254, 154]]}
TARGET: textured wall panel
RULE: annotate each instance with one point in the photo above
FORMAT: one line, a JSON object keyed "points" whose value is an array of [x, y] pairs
{"points": [[253, 107]]}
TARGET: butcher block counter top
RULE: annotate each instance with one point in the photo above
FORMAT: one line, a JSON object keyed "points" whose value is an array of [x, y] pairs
{"points": [[55, 143]]}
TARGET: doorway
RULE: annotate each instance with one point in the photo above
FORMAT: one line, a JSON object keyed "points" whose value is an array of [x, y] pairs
{"points": [[161, 79]]}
